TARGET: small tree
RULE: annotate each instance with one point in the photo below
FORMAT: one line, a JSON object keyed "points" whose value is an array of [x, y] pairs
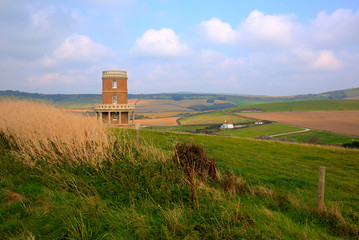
{"points": [[315, 140]]}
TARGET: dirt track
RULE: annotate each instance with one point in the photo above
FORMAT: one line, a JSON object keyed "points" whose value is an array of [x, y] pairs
{"points": [[344, 122]]}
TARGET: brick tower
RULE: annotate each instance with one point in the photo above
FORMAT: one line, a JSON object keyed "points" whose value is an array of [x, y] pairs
{"points": [[114, 109]]}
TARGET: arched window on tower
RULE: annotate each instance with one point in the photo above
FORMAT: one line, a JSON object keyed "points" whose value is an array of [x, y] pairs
{"points": [[114, 99], [114, 84]]}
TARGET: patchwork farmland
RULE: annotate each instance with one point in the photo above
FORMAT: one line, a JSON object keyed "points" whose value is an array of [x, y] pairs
{"points": [[167, 121], [343, 122]]}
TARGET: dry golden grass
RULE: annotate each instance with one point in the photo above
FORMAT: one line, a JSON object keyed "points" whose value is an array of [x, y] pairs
{"points": [[43, 132]]}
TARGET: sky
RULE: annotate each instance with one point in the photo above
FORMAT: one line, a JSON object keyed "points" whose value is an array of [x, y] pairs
{"points": [[258, 47]]}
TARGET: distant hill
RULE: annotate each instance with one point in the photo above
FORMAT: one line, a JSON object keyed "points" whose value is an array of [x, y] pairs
{"points": [[301, 105], [67, 100], [341, 94], [88, 100]]}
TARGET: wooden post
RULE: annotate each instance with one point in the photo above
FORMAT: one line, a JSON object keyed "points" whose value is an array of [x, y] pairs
{"points": [[321, 184], [190, 141], [138, 137]]}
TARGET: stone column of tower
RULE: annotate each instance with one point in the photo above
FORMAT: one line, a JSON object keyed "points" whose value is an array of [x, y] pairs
{"points": [[115, 109]]}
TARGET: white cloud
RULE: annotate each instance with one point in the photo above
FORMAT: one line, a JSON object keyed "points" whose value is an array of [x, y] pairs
{"points": [[159, 43], [32, 30], [52, 78], [213, 60], [338, 29], [327, 61], [257, 31], [218, 32], [79, 48], [105, 3], [261, 31]]}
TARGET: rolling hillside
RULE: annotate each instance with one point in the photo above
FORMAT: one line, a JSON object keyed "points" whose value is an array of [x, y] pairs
{"points": [[88, 100], [301, 105], [69, 177]]}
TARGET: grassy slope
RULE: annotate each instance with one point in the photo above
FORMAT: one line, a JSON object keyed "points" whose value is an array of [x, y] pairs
{"points": [[148, 198], [272, 129], [290, 167], [212, 118], [325, 137], [305, 105], [101, 185], [255, 131], [132, 201]]}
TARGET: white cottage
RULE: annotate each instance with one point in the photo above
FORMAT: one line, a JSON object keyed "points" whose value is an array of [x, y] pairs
{"points": [[258, 122], [227, 124]]}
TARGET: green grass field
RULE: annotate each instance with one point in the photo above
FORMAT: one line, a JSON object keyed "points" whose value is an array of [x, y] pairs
{"points": [[245, 102], [74, 178], [290, 167], [304, 105], [325, 137], [141, 195], [271, 129], [261, 130], [217, 117]]}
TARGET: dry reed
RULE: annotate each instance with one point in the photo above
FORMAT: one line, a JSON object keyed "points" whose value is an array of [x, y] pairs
{"points": [[43, 132]]}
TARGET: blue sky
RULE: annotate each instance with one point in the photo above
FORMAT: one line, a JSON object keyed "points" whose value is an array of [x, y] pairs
{"points": [[262, 47]]}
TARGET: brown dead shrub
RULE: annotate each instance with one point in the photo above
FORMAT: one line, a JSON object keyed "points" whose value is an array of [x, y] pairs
{"points": [[193, 157], [233, 184]]}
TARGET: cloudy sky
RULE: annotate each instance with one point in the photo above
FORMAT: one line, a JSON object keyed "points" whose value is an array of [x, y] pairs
{"points": [[261, 47]]}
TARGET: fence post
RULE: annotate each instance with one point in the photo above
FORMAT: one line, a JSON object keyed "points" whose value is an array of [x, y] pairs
{"points": [[321, 184], [190, 141]]}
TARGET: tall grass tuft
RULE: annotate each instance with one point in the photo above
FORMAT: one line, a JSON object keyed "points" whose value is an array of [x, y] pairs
{"points": [[42, 132]]}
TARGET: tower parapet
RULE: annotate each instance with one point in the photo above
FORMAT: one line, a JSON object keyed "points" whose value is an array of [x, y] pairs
{"points": [[114, 74]]}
